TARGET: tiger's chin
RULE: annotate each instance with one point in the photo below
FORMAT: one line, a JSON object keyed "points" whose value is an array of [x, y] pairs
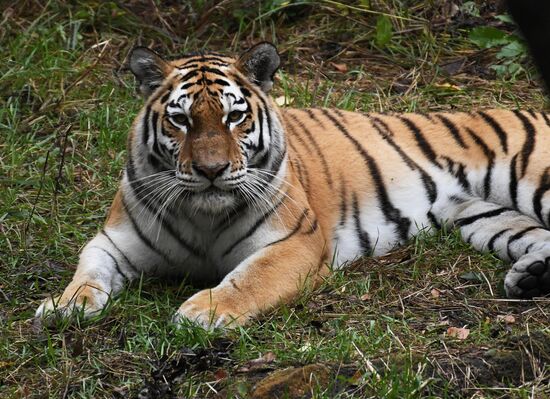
{"points": [[214, 201]]}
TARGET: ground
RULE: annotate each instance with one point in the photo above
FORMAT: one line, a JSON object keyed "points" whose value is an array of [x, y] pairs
{"points": [[428, 320]]}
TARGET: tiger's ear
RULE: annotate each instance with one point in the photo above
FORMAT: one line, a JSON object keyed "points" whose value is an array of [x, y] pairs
{"points": [[259, 64], [149, 69]]}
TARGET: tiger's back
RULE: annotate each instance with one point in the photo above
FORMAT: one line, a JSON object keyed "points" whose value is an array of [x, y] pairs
{"points": [[381, 178]]}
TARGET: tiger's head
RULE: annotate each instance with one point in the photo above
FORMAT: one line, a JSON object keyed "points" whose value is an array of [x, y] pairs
{"points": [[209, 119]]}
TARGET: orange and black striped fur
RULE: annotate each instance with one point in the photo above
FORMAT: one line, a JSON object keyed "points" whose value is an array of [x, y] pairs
{"points": [[222, 186]]}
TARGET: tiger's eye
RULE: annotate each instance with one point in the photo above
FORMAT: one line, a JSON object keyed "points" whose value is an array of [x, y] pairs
{"points": [[234, 116], [180, 119]]}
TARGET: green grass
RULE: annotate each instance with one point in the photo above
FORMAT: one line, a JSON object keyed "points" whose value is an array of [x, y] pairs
{"points": [[380, 327]]}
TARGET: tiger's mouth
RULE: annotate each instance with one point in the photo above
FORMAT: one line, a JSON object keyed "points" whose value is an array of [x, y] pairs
{"points": [[214, 200]]}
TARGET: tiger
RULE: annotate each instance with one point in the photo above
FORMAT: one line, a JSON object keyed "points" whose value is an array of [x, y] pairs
{"points": [[255, 202]]}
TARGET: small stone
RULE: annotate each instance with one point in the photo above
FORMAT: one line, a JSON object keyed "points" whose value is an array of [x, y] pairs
{"points": [[506, 318]]}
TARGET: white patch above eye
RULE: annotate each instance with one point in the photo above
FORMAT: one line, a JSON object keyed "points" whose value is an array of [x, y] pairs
{"points": [[233, 100]]}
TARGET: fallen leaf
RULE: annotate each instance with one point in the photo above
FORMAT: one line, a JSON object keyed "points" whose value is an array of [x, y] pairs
{"points": [[447, 86], [343, 68], [281, 101], [458, 333], [258, 363], [435, 293], [365, 297], [220, 374], [305, 348], [4, 364], [472, 276], [356, 378], [506, 318]]}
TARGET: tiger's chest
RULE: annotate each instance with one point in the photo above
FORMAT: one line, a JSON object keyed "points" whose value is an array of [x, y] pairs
{"points": [[208, 249]]}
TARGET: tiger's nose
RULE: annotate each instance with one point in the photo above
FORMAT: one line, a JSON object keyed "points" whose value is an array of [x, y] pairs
{"points": [[210, 171]]}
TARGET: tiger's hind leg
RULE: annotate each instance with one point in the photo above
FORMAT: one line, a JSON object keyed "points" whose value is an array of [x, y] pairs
{"points": [[512, 236]]}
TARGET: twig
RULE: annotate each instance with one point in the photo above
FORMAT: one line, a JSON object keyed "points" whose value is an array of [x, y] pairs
{"points": [[61, 164], [26, 230], [368, 363]]}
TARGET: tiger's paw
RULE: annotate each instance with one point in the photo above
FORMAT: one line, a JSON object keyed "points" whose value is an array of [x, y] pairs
{"points": [[85, 299], [210, 310], [529, 277]]}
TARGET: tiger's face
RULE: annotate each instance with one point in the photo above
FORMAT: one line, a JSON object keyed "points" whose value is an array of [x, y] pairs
{"points": [[209, 119]]}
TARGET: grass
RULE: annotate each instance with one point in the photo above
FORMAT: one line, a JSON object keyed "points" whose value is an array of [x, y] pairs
{"points": [[378, 329]]}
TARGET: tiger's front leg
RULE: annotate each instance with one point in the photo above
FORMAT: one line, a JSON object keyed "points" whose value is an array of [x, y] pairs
{"points": [[105, 264], [99, 275], [274, 275]]}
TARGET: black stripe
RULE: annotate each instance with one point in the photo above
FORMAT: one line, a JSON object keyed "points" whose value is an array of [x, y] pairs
{"points": [[427, 181], [299, 162], [529, 143], [514, 181], [453, 129], [338, 113], [544, 186], [102, 231], [363, 236], [433, 220], [245, 91], [321, 156], [497, 128], [265, 158], [517, 237], [461, 175], [117, 266], [424, 146], [166, 97], [312, 116], [458, 170], [261, 124], [490, 155], [294, 230], [385, 126], [313, 228], [461, 222], [546, 119], [143, 237], [256, 225], [494, 238], [189, 75], [343, 202], [390, 212], [294, 135], [145, 122], [215, 71], [532, 113], [156, 146], [186, 86], [201, 58]]}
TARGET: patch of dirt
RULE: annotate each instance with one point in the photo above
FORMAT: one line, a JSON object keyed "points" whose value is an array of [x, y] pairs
{"points": [[167, 372], [514, 362]]}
